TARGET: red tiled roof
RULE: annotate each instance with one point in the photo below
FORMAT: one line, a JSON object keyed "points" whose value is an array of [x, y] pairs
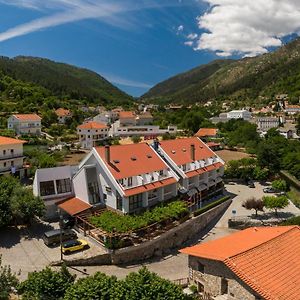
{"points": [[10, 141], [213, 144], [74, 206], [28, 117], [193, 173], [266, 258], [150, 186], [202, 132], [179, 150], [126, 115], [132, 160], [92, 125], [61, 112]]}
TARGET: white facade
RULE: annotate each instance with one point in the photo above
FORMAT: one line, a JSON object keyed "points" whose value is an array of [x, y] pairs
{"points": [[11, 157], [53, 185], [26, 124], [264, 124], [95, 184], [239, 114]]}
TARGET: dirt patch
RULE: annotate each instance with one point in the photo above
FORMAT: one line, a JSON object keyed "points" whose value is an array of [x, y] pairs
{"points": [[228, 155], [74, 159]]}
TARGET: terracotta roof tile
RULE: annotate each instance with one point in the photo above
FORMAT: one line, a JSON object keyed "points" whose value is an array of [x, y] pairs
{"points": [[179, 150], [10, 141], [27, 117], [266, 258], [127, 115], [74, 206], [92, 125], [132, 160], [202, 132], [61, 112]]}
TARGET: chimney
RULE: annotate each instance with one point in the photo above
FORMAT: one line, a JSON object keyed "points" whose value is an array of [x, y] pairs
{"points": [[193, 152], [107, 153]]}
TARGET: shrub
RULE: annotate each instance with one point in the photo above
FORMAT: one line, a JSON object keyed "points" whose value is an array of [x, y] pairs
{"points": [[275, 203], [256, 204], [280, 185], [136, 139], [292, 221], [210, 206]]}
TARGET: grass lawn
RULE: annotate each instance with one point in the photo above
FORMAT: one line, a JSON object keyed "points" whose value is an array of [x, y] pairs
{"points": [[110, 221]]}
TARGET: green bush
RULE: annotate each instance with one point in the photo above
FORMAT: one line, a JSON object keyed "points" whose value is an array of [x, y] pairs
{"points": [[292, 221], [110, 221], [210, 206]]}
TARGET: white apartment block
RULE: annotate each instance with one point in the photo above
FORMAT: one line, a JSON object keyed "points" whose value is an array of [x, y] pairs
{"points": [[91, 133], [25, 124], [239, 114], [11, 156], [292, 109], [266, 123], [199, 168], [127, 178]]}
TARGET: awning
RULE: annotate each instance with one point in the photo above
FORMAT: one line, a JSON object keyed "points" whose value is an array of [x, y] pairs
{"points": [[74, 206]]}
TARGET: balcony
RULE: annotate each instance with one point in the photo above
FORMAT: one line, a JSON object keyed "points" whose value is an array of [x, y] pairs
{"points": [[11, 156], [8, 169]]}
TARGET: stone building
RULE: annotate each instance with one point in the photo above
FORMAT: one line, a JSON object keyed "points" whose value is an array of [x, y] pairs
{"points": [[256, 263]]}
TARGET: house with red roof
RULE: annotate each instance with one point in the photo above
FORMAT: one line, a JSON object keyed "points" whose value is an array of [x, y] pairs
{"points": [[63, 115], [11, 156], [205, 133], [199, 168], [127, 178], [255, 263], [25, 124], [90, 133]]}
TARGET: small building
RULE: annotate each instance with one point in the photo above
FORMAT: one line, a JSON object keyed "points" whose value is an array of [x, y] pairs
{"points": [[266, 123], [292, 109], [239, 114], [127, 178], [63, 115], [199, 168], [25, 124], [127, 118], [91, 133], [11, 156], [206, 133], [53, 185], [145, 118], [255, 263]]}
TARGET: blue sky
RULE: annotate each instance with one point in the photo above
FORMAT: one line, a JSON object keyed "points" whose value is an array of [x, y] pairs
{"points": [[138, 43]]}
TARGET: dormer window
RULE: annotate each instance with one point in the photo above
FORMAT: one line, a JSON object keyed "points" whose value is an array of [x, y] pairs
{"points": [[161, 172], [121, 181], [184, 168], [129, 181]]}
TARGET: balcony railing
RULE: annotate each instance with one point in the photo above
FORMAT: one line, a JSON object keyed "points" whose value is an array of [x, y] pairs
{"points": [[11, 156]]}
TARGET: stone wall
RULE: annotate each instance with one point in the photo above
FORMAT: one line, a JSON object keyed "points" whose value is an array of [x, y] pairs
{"points": [[161, 245]]}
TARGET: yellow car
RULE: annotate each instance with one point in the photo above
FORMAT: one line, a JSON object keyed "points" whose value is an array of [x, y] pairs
{"points": [[74, 245]]}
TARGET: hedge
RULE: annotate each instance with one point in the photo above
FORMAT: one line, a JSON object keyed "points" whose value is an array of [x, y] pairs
{"points": [[210, 206]]}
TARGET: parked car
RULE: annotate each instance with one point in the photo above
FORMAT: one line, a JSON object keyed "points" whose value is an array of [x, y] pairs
{"points": [[269, 190], [76, 245], [68, 223], [250, 184], [52, 237]]}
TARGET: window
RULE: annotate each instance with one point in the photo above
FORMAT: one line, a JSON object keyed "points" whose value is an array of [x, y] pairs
{"points": [[11, 151], [200, 267], [184, 168], [94, 192], [47, 188], [119, 202], [63, 186], [129, 181], [135, 202], [4, 164], [12, 163], [4, 152], [161, 172], [121, 181]]}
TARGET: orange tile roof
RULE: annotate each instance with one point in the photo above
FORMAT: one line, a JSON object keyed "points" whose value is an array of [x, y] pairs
{"points": [[202, 132], [74, 206], [92, 125], [149, 187], [179, 150], [10, 141], [61, 112], [126, 115], [133, 160], [193, 173], [27, 117], [213, 144], [266, 258]]}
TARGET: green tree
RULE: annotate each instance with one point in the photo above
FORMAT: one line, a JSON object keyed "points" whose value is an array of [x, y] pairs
{"points": [[25, 206], [46, 284], [275, 203], [280, 185], [8, 281], [136, 139]]}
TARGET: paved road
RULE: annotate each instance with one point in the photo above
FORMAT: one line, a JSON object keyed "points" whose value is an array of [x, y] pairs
{"points": [[27, 251]]}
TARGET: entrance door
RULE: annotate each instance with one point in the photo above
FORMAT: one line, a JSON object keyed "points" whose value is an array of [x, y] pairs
{"points": [[224, 286]]}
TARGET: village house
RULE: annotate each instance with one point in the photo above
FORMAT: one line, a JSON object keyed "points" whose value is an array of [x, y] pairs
{"points": [[25, 124], [252, 264], [199, 168], [207, 133], [127, 178], [91, 133], [11, 156], [266, 123], [292, 109], [63, 115], [127, 118], [54, 185], [239, 114]]}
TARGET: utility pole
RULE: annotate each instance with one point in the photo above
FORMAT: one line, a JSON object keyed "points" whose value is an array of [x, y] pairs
{"points": [[60, 234]]}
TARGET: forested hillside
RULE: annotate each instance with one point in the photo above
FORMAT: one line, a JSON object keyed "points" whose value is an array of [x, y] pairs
{"points": [[241, 80], [24, 77]]}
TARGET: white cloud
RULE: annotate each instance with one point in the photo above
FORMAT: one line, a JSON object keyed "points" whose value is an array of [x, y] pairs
{"points": [[192, 36], [180, 28], [189, 43], [66, 11], [247, 27]]}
